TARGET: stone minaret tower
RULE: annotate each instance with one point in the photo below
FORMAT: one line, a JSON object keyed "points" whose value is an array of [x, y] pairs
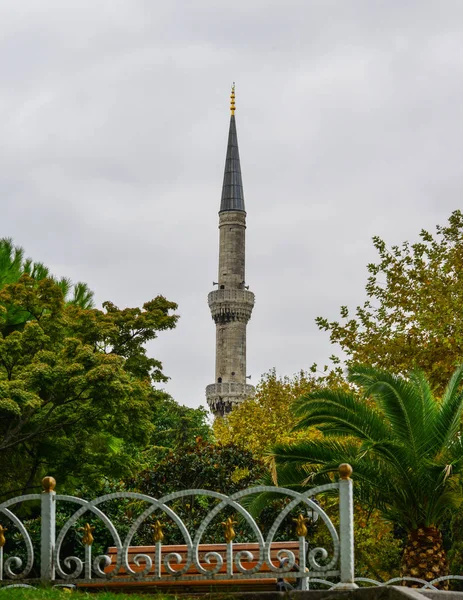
{"points": [[231, 304]]}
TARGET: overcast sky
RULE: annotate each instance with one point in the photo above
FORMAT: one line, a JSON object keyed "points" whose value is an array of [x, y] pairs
{"points": [[114, 122]]}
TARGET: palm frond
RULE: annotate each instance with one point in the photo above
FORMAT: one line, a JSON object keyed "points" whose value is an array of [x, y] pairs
{"points": [[441, 504], [397, 398], [341, 413], [453, 456], [448, 422], [256, 503], [428, 410], [315, 451], [405, 448]]}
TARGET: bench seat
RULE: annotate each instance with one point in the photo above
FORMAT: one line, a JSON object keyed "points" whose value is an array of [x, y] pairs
{"points": [[170, 583]]}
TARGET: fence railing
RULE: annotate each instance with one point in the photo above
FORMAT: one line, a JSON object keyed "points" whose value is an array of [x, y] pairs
{"points": [[57, 565]]}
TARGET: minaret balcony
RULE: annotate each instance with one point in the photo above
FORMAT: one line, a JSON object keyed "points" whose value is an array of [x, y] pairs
{"points": [[231, 305], [223, 397], [230, 389]]}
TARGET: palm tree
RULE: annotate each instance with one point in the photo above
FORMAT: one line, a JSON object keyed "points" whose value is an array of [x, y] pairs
{"points": [[404, 445]]}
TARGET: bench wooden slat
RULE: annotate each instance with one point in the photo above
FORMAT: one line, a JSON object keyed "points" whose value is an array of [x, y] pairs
{"points": [[203, 550], [169, 581]]}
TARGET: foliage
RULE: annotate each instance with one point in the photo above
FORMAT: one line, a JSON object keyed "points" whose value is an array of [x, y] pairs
{"points": [[413, 316], [221, 468], [405, 446], [454, 543], [377, 550], [76, 393], [260, 422], [267, 419], [177, 426], [13, 265]]}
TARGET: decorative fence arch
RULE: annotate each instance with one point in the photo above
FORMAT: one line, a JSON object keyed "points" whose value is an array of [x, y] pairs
{"points": [[231, 564]]}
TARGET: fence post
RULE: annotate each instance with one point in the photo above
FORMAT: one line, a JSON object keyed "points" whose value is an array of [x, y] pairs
{"points": [[346, 529], [48, 526], [304, 583]]}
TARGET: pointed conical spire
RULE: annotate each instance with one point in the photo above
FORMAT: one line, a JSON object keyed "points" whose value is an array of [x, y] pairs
{"points": [[232, 189]]}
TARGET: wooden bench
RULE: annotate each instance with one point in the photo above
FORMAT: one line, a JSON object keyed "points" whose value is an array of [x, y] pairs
{"points": [[169, 583]]}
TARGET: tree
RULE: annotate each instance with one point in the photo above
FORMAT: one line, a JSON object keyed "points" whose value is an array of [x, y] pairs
{"points": [[176, 428], [13, 265], [201, 465], [260, 422], [405, 448], [76, 394], [221, 468], [413, 316]]}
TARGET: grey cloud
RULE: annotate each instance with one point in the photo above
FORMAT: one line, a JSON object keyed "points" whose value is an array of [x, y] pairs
{"points": [[114, 119]]}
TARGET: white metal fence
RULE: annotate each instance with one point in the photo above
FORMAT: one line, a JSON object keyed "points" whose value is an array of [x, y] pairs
{"points": [[295, 563], [59, 568]]}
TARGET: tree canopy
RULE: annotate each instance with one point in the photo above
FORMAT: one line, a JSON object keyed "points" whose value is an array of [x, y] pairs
{"points": [[259, 422], [413, 315], [13, 265], [76, 393], [200, 465]]}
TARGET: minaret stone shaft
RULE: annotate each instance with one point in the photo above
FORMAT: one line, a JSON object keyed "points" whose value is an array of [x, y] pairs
{"points": [[232, 303]]}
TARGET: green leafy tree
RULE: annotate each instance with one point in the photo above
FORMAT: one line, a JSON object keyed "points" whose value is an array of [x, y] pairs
{"points": [[265, 419], [413, 315], [76, 386], [201, 465], [179, 426], [404, 445], [175, 428], [221, 468], [13, 265]]}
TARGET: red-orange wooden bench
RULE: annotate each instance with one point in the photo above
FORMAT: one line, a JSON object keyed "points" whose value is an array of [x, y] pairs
{"points": [[168, 582]]}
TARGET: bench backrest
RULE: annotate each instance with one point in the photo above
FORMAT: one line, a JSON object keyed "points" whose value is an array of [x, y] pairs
{"points": [[221, 549]]}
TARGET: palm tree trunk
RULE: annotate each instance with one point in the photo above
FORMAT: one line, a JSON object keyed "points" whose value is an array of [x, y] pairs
{"points": [[424, 556]]}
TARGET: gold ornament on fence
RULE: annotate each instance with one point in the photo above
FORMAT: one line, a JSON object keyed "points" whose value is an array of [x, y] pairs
{"points": [[229, 531], [48, 484], [2, 535], [87, 538], [345, 471], [158, 534], [301, 529]]}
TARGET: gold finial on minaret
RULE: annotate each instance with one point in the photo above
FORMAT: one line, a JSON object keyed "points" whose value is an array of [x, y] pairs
{"points": [[232, 99]]}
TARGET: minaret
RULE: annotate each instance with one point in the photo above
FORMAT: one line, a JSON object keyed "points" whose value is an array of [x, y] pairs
{"points": [[231, 304]]}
